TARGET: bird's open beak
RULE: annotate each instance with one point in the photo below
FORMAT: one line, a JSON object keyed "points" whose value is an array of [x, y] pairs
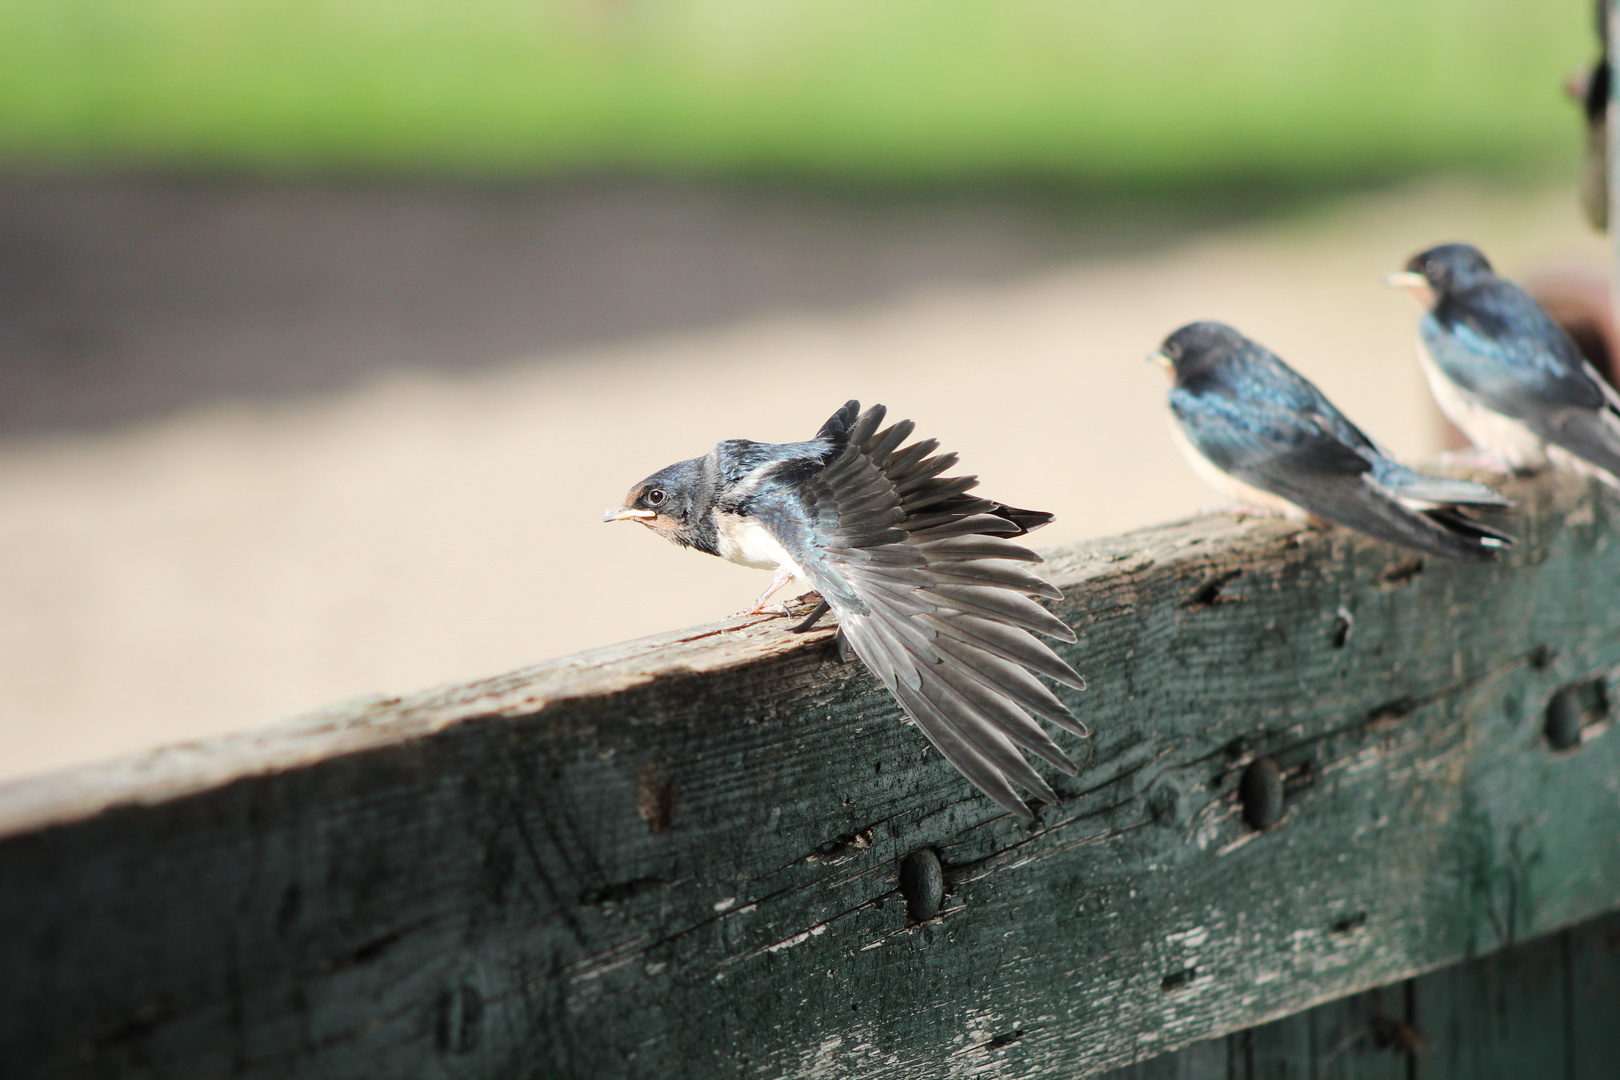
{"points": [[627, 514]]}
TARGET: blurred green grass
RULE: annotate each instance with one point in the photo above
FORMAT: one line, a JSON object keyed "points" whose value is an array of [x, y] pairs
{"points": [[1138, 93]]}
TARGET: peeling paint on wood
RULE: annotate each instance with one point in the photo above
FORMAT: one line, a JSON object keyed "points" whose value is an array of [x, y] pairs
{"points": [[681, 856]]}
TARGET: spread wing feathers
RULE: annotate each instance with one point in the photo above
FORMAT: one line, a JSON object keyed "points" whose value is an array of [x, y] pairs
{"points": [[938, 601]]}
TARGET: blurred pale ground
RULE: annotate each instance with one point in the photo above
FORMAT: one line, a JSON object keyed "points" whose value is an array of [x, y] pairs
{"points": [[232, 563]]}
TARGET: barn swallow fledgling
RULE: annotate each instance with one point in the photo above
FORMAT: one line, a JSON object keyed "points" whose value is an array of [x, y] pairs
{"points": [[1505, 373], [1256, 429], [924, 578]]}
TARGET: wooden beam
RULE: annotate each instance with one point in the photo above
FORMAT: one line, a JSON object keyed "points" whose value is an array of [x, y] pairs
{"points": [[681, 856]]}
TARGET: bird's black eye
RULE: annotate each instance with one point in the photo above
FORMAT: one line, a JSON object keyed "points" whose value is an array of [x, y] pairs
{"points": [[1431, 268], [654, 497]]}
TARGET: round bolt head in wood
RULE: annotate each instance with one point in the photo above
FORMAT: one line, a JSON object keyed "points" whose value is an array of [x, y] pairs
{"points": [[1262, 793], [922, 883]]}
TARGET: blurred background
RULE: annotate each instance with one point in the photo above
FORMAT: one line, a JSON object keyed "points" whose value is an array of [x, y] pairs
{"points": [[329, 328]]}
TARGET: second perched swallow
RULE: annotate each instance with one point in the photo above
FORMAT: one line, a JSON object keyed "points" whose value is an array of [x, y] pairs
{"points": [[1505, 373], [1255, 428], [929, 589]]}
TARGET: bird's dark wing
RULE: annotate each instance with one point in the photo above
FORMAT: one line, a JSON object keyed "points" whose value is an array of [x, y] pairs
{"points": [[1296, 455], [1497, 343], [1500, 345], [935, 598]]}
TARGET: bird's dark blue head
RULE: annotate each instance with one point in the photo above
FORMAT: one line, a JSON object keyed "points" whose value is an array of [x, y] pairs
{"points": [[1448, 268], [1197, 348], [673, 501]]}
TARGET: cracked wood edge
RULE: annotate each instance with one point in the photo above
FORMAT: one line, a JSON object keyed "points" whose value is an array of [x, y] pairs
{"points": [[378, 720]]}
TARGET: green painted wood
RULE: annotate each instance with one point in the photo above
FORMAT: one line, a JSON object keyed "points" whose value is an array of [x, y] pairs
{"points": [[1545, 1008], [1503, 1017], [1361, 1037], [1365, 1037], [1593, 955], [1281, 1050], [1213, 1059], [680, 857]]}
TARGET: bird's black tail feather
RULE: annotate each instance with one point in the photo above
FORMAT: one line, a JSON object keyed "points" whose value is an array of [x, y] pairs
{"points": [[1487, 540]]}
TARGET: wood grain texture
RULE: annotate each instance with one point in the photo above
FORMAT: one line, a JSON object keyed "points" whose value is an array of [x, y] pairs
{"points": [[679, 857], [1543, 1008], [1592, 952], [1503, 1017]]}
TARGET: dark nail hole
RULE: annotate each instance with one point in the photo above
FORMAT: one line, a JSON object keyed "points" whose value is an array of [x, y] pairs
{"points": [[1402, 573], [1262, 793], [1209, 593], [1006, 1038], [1573, 708], [1542, 656], [657, 798], [1349, 923], [1164, 803], [1343, 624], [843, 847], [1177, 979], [1391, 711], [922, 883]]}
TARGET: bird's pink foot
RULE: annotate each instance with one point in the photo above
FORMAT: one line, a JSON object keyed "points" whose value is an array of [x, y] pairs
{"points": [[782, 576]]}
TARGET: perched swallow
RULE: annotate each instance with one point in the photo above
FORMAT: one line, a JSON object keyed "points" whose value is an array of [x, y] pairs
{"points": [[924, 578], [1505, 373], [1256, 429]]}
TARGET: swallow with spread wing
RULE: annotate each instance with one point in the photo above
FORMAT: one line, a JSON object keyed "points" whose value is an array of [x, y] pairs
{"points": [[929, 588], [1254, 428]]}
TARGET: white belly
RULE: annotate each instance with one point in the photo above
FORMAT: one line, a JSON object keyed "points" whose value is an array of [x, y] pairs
{"points": [[744, 541], [1228, 485], [1507, 438]]}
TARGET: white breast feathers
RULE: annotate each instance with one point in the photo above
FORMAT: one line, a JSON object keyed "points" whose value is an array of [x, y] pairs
{"points": [[1507, 438], [744, 541]]}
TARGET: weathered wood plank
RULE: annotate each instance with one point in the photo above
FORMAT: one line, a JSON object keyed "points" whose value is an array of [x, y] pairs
{"points": [[680, 857], [1503, 1014], [1503, 1017], [1364, 1037], [1593, 955], [1209, 1060]]}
